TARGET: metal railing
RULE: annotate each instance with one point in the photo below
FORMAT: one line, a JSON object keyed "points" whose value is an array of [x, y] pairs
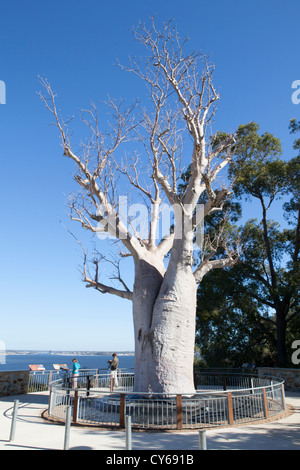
{"points": [[224, 401], [40, 381]]}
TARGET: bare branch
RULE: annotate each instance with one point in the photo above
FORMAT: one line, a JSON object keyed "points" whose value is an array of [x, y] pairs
{"points": [[96, 194], [166, 245], [103, 288], [173, 76], [225, 248], [208, 265]]}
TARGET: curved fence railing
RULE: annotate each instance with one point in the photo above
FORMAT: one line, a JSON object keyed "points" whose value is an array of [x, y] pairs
{"points": [[40, 380], [220, 399]]}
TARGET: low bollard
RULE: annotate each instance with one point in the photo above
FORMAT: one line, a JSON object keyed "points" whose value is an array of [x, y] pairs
{"points": [[202, 440], [14, 420], [128, 432], [67, 427]]}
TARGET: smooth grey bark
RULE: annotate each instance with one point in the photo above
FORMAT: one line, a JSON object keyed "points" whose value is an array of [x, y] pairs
{"points": [[164, 311], [148, 281]]}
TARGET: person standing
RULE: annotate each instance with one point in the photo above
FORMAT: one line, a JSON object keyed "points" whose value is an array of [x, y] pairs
{"points": [[75, 372], [114, 368]]}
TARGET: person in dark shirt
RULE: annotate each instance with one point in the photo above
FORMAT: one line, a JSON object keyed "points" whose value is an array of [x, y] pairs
{"points": [[114, 368]]}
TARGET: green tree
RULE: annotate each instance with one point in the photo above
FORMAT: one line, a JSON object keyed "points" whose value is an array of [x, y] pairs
{"points": [[256, 303], [230, 328]]}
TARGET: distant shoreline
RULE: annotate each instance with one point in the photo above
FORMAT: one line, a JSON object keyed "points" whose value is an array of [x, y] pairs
{"points": [[66, 353]]}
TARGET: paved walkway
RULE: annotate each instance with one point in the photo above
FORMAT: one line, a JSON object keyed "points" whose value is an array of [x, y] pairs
{"points": [[34, 433]]}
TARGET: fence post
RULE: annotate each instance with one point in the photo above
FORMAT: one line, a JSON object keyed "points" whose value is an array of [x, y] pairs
{"points": [[88, 385], [68, 383], [265, 403], [49, 379], [14, 420], [283, 397], [128, 432], [272, 389], [75, 407], [122, 410], [202, 440], [179, 411], [224, 382], [251, 384], [50, 402], [67, 427], [230, 408]]}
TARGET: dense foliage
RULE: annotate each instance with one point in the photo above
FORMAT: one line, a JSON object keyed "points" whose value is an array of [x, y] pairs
{"points": [[250, 312]]}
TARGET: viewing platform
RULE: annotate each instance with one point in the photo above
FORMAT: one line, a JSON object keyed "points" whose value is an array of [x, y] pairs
{"points": [[221, 399]]}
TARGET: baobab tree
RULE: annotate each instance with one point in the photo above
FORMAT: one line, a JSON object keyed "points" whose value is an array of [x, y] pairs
{"points": [[175, 122]]}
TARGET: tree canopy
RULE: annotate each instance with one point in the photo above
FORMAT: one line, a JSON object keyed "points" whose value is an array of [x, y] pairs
{"points": [[251, 312]]}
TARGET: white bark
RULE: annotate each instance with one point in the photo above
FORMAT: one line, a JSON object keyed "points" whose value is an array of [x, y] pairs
{"points": [[164, 309], [164, 300]]}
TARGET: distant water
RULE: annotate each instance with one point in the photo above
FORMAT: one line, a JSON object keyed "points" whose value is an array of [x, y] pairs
{"points": [[21, 362]]}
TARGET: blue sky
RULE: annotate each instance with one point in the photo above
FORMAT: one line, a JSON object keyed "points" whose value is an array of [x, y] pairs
{"points": [[255, 48]]}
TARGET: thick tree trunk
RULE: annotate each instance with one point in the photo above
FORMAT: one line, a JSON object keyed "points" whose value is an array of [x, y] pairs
{"points": [[164, 310], [148, 281], [173, 337]]}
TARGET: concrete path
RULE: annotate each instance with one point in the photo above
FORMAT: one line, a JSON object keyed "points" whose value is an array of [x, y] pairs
{"points": [[34, 433]]}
